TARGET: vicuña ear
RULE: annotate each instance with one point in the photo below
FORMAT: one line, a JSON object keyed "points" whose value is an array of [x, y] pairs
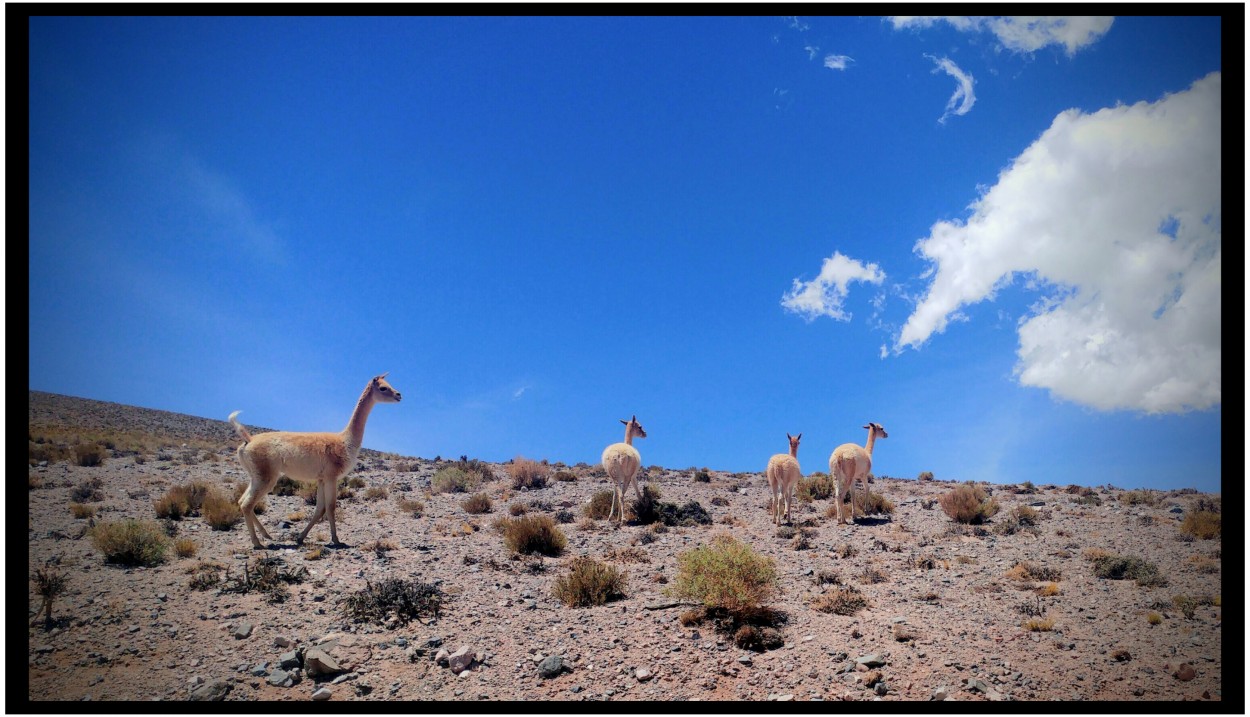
{"points": [[798, 438], [868, 426], [624, 421], [788, 436]]}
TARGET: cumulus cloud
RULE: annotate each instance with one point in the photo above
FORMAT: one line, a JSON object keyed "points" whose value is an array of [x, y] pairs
{"points": [[1115, 217], [1023, 34], [824, 295], [964, 97], [837, 62]]}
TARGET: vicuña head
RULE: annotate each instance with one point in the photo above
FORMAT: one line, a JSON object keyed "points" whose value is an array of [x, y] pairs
{"points": [[633, 429]]}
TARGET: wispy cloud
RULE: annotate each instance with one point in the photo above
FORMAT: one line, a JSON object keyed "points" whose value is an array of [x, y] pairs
{"points": [[1022, 34], [520, 392], [1128, 258], [811, 51], [837, 62], [963, 98], [794, 23], [228, 206], [824, 295]]}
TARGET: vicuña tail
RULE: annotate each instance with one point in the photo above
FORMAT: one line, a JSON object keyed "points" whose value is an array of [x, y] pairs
{"points": [[239, 427]]}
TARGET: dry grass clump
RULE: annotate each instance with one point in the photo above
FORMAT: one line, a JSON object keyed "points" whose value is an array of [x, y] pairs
{"points": [[131, 542], [181, 501], [564, 476], [871, 575], [649, 509], [49, 585], [393, 602], [1039, 624], [453, 479], [185, 547], [476, 504], [527, 474], [725, 574], [1144, 497], [968, 504], [381, 546], [1201, 524], [1027, 570], [89, 454], [1154, 618], [589, 582], [533, 534], [627, 555], [220, 512], [265, 575], [925, 476], [517, 509], [877, 504], [600, 505], [702, 476], [412, 507], [756, 638], [817, 486], [81, 511], [377, 492], [205, 575], [1049, 590], [842, 600], [286, 486], [1204, 565]]}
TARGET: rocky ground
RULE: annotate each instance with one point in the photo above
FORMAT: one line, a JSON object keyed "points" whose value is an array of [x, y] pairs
{"points": [[944, 618]]}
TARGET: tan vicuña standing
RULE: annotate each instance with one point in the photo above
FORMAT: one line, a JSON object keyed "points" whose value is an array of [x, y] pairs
{"points": [[323, 458], [622, 461], [848, 463], [783, 475]]}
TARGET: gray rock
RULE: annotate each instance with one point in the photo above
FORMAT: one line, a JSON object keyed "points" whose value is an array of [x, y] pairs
{"points": [[745, 659], [434, 641], [281, 641], [551, 666], [317, 663], [441, 656], [322, 694], [289, 660], [1185, 672], [283, 678], [242, 630], [260, 670], [214, 691], [643, 674], [940, 694], [461, 659], [880, 689], [873, 660]]}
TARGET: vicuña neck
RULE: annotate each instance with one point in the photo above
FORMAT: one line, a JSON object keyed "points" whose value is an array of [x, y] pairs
{"points": [[794, 451], [629, 436], [872, 437], [356, 426]]}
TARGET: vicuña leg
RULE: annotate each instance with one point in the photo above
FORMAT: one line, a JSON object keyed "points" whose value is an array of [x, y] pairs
{"points": [[317, 513]]}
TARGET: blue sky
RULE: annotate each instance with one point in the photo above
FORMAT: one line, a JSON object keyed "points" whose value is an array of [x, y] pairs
{"points": [[999, 239]]}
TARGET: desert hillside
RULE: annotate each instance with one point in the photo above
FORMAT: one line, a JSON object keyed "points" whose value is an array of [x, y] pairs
{"points": [[1052, 592]]}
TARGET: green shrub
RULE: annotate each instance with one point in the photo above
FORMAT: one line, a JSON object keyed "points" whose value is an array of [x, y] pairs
{"points": [[476, 504], [131, 542], [452, 479], [533, 534], [725, 574], [968, 504], [589, 582]]}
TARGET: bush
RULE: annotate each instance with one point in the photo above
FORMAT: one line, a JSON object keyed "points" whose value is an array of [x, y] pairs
{"points": [[702, 476], [843, 600], [925, 476], [1026, 570], [757, 639], [49, 585], [517, 509], [220, 512], [393, 602], [89, 490], [286, 486], [1039, 624], [968, 504], [817, 486], [565, 476], [131, 542], [377, 492], [527, 474], [1119, 567], [1141, 497], [1202, 524], [80, 511], [185, 548], [182, 501], [589, 582], [600, 504], [533, 534], [451, 479], [476, 504], [89, 454], [415, 507], [265, 575], [725, 574], [875, 503]]}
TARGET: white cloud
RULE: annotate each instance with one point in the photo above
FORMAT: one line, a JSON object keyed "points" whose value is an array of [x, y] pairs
{"points": [[1023, 34], [796, 24], [519, 392], [837, 62], [231, 209], [824, 295], [811, 51], [1115, 216], [964, 97]]}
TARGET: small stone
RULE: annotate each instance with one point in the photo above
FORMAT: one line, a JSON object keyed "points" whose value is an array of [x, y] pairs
{"points": [[289, 660], [880, 689], [441, 656], [322, 694], [1185, 672], [283, 642], [940, 694], [551, 666], [745, 659], [643, 674], [873, 660], [214, 691], [242, 631], [317, 662], [785, 698], [460, 660]]}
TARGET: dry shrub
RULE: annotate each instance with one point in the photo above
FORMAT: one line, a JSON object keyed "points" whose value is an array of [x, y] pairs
{"points": [[413, 507], [1039, 624], [182, 501], [131, 542], [185, 547], [1027, 570], [565, 476], [89, 490], [308, 491], [925, 476], [393, 602], [49, 585], [476, 504], [691, 618], [381, 546], [968, 504], [1120, 567], [871, 575], [1048, 590], [817, 486], [89, 454], [1202, 524], [843, 600], [287, 486], [627, 555], [600, 505], [877, 504], [589, 582], [758, 639], [517, 509], [81, 511], [725, 574], [453, 479], [1154, 618], [220, 512], [1141, 497], [527, 474], [534, 534], [702, 476], [33, 481], [265, 575], [846, 550], [377, 492]]}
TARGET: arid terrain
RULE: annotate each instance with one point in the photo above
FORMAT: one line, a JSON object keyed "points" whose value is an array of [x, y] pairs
{"points": [[945, 614]]}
